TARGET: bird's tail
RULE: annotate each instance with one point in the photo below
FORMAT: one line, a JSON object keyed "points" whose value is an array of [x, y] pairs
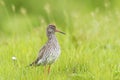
{"points": [[32, 64]]}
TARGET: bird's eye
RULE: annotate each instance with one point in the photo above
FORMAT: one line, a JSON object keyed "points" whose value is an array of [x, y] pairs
{"points": [[52, 27]]}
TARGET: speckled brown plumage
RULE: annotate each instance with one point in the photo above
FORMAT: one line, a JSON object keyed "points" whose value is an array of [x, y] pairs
{"points": [[50, 51]]}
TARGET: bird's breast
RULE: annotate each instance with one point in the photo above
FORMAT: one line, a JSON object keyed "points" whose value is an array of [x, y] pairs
{"points": [[54, 53]]}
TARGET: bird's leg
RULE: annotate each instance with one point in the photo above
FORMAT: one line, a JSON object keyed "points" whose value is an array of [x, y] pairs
{"points": [[49, 69], [45, 73], [45, 69]]}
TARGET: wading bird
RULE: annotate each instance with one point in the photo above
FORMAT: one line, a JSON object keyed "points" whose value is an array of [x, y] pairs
{"points": [[50, 51]]}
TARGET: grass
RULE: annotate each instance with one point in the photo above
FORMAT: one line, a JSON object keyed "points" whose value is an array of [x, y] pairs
{"points": [[90, 48]]}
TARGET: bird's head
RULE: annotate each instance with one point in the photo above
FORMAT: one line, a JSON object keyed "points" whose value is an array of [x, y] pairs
{"points": [[51, 29]]}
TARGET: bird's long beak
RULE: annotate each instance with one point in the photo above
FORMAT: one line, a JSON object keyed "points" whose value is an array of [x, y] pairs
{"points": [[59, 31]]}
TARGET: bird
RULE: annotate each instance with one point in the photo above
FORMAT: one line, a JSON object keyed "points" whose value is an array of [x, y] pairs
{"points": [[49, 53]]}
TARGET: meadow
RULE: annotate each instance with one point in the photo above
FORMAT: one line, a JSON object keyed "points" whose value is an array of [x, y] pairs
{"points": [[90, 50]]}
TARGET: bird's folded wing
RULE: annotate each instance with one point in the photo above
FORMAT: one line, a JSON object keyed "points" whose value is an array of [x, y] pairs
{"points": [[40, 55]]}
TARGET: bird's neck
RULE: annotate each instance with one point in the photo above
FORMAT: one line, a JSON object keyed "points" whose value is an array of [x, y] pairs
{"points": [[53, 40], [52, 37]]}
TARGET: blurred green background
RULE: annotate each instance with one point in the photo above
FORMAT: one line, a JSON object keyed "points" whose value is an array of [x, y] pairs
{"points": [[90, 48], [14, 14]]}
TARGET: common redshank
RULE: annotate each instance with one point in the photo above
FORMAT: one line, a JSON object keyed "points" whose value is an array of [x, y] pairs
{"points": [[50, 51]]}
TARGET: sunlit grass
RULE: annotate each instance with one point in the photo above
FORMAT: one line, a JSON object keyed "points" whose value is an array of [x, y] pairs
{"points": [[88, 53], [90, 48]]}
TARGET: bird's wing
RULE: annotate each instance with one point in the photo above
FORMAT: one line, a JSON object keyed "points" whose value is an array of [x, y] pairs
{"points": [[40, 55]]}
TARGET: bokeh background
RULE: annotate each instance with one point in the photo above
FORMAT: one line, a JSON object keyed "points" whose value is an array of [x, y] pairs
{"points": [[90, 48], [18, 16]]}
